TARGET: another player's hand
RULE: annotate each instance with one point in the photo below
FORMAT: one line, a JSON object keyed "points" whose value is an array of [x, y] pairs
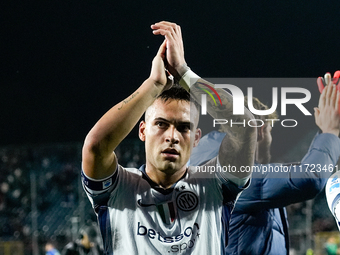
{"points": [[174, 44], [326, 115], [327, 80], [158, 73]]}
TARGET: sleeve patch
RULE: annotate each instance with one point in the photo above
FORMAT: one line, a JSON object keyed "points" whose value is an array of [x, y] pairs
{"points": [[98, 185]]}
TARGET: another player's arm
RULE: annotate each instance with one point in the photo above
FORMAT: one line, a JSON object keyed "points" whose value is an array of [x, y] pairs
{"points": [[316, 165], [310, 177], [306, 180], [98, 157]]}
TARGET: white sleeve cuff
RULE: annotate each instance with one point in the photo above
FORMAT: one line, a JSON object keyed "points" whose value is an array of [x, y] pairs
{"points": [[188, 79]]}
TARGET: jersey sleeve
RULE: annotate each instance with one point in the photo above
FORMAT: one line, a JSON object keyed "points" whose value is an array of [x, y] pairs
{"points": [[278, 185], [98, 191]]}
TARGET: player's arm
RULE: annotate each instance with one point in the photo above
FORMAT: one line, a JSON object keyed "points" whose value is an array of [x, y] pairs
{"points": [[306, 180], [238, 147], [324, 153], [98, 157]]}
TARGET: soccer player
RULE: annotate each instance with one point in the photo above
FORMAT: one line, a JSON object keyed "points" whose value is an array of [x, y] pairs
{"points": [[164, 207], [258, 223]]}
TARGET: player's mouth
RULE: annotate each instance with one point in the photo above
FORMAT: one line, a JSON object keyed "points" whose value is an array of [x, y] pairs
{"points": [[170, 153]]}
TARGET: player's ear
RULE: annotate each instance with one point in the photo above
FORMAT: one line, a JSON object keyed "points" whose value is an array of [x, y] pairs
{"points": [[260, 132], [198, 134], [141, 131]]}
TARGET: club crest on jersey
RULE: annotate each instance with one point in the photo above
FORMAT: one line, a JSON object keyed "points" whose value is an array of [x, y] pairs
{"points": [[187, 201]]}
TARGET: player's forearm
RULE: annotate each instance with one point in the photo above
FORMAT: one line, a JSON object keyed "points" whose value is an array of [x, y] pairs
{"points": [[117, 123], [318, 164]]}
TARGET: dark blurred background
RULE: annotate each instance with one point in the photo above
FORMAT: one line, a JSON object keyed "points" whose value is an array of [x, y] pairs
{"points": [[64, 63]]}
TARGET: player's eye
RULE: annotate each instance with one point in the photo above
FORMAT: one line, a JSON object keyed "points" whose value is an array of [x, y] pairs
{"points": [[183, 128], [161, 124]]}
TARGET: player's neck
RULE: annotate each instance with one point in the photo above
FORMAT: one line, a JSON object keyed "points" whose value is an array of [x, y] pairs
{"points": [[163, 178]]}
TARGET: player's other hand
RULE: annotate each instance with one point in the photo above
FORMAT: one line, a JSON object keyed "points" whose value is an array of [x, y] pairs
{"points": [[175, 61], [326, 114]]}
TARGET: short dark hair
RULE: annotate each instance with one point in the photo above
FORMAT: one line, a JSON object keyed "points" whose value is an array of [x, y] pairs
{"points": [[177, 92]]}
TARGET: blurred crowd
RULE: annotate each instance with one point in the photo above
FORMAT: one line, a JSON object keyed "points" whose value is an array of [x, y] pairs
{"points": [[53, 173]]}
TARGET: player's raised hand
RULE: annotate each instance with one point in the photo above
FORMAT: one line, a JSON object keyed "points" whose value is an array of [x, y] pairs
{"points": [[158, 73], [326, 114], [175, 61]]}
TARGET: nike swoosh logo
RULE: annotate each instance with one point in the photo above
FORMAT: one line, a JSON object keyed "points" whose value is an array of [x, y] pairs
{"points": [[139, 202]]}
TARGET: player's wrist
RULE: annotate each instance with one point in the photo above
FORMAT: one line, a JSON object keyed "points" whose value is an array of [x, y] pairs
{"points": [[188, 79], [181, 70]]}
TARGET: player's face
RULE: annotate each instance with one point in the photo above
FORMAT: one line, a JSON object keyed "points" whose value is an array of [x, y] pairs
{"points": [[169, 133]]}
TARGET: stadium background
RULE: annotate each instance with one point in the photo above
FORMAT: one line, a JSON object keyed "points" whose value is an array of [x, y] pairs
{"points": [[64, 63]]}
